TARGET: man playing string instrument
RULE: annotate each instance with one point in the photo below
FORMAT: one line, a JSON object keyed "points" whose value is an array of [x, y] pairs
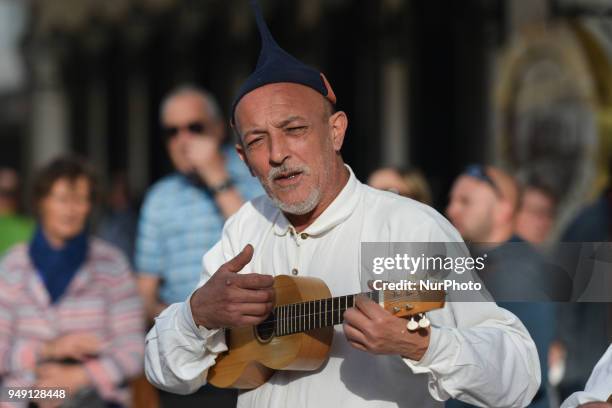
{"points": [[311, 223]]}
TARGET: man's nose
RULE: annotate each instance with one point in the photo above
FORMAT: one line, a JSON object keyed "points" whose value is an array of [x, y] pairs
{"points": [[279, 150], [184, 134]]}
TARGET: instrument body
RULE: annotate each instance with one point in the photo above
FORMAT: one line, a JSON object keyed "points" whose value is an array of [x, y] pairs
{"points": [[297, 335], [250, 362]]}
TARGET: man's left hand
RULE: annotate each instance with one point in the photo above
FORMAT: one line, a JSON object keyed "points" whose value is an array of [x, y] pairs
{"points": [[369, 327]]}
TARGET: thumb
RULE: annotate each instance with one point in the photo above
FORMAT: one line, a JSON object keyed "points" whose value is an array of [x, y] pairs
{"points": [[239, 261]]}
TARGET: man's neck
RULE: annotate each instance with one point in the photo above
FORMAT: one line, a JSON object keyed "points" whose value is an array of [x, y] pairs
{"points": [[301, 222]]}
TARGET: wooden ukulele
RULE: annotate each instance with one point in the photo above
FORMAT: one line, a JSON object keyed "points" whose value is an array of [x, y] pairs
{"points": [[297, 335]]}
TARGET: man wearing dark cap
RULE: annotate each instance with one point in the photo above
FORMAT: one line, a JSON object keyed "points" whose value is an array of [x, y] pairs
{"points": [[311, 223], [483, 206]]}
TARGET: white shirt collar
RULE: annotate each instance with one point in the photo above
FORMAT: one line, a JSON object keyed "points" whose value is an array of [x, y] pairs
{"points": [[337, 212]]}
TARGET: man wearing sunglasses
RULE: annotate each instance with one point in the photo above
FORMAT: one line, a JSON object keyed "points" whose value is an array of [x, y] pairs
{"points": [[183, 213]]}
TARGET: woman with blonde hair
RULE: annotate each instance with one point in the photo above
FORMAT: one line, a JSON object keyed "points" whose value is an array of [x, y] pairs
{"points": [[408, 183]]}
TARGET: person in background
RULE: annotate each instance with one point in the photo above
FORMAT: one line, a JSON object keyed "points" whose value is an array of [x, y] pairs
{"points": [[70, 314], [183, 213], [408, 183], [119, 220], [483, 206], [537, 212], [584, 328], [14, 228]]}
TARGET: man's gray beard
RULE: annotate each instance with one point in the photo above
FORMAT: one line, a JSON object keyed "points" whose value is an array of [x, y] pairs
{"points": [[301, 208]]}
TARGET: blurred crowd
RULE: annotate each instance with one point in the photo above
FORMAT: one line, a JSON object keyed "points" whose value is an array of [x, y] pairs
{"points": [[88, 271]]}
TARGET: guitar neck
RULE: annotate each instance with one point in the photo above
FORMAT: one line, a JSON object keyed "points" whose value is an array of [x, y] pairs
{"points": [[314, 314]]}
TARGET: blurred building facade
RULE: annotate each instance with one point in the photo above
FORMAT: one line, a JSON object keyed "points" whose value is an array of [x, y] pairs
{"points": [[433, 84]]}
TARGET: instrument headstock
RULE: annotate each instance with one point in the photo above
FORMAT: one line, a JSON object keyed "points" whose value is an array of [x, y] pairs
{"points": [[409, 303]]}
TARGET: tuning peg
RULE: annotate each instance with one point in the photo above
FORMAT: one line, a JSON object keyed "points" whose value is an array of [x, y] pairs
{"points": [[424, 322], [412, 324], [396, 309]]}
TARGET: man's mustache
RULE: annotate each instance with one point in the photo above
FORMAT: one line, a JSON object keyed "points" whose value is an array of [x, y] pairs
{"points": [[284, 169]]}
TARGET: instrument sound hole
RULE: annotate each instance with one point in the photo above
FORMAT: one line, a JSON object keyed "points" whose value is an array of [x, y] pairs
{"points": [[265, 330]]}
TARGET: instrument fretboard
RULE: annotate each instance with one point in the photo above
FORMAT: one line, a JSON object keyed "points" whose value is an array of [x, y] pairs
{"points": [[314, 314]]}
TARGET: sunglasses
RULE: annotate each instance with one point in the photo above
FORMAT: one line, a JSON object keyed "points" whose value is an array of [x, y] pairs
{"points": [[195, 128], [478, 172]]}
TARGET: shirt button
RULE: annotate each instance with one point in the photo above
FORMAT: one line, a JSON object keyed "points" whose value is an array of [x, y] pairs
{"points": [[294, 271], [304, 235]]}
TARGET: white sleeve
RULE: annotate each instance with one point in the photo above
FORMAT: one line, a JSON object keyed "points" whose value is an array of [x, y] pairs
{"points": [[488, 359], [599, 386], [178, 354]]}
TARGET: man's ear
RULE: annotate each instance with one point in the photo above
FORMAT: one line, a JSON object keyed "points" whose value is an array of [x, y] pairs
{"points": [[338, 123], [243, 157]]}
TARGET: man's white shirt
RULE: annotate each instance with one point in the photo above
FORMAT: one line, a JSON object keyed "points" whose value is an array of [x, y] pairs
{"points": [[478, 352], [599, 385]]}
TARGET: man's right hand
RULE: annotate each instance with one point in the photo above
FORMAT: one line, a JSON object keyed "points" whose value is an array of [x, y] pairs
{"points": [[230, 299]]}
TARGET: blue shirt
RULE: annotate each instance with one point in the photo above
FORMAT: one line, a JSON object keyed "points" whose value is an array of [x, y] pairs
{"points": [[179, 222]]}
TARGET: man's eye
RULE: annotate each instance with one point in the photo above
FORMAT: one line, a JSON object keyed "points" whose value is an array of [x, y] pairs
{"points": [[296, 129], [254, 141]]}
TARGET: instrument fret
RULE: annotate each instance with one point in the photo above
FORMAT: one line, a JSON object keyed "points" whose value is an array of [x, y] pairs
{"points": [[325, 300], [282, 320], [303, 320]]}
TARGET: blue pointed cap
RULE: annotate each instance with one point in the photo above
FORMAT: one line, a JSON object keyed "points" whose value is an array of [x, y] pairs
{"points": [[276, 65]]}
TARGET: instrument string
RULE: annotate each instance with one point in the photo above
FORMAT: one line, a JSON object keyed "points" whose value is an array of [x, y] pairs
{"points": [[289, 318]]}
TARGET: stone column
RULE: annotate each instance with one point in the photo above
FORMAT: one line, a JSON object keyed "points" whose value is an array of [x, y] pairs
{"points": [[97, 124], [49, 110], [394, 111], [137, 93], [138, 133]]}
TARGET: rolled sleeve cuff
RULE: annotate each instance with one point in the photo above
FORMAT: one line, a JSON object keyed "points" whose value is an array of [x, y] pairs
{"points": [[214, 338], [442, 353], [441, 348]]}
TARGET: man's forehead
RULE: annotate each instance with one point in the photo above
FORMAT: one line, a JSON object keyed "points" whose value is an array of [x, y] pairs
{"points": [[290, 96], [468, 185], [186, 103], [68, 183]]}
